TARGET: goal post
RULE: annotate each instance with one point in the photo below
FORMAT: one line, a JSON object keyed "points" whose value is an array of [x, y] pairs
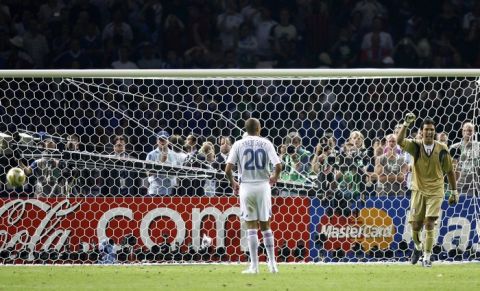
{"points": [[98, 190]]}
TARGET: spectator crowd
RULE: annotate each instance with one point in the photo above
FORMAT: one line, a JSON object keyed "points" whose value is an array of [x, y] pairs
{"points": [[344, 174], [156, 34]]}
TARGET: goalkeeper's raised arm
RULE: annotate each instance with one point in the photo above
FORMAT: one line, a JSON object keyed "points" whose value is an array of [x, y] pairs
{"points": [[409, 119]]}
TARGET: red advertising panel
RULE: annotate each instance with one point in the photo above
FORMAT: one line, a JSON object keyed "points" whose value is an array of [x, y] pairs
{"points": [[55, 223]]}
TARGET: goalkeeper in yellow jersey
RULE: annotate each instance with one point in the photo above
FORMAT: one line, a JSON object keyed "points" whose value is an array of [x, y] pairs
{"points": [[431, 160]]}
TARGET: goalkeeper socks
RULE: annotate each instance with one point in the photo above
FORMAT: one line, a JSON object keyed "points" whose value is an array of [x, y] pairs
{"points": [[416, 239], [427, 256], [253, 247], [429, 241], [269, 245]]}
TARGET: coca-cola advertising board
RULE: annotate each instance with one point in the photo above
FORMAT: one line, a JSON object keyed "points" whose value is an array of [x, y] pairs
{"points": [[54, 223]]}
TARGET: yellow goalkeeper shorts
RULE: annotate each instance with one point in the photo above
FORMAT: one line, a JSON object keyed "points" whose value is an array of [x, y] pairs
{"points": [[422, 206]]}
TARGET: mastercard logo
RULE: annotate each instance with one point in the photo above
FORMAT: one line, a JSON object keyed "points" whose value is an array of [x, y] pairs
{"points": [[372, 227], [377, 227]]}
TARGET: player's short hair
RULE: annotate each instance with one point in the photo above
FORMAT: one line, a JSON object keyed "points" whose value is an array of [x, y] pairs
{"points": [[427, 121], [252, 126]]}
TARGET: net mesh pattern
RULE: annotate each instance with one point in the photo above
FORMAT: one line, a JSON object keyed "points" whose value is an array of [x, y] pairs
{"points": [[99, 191]]}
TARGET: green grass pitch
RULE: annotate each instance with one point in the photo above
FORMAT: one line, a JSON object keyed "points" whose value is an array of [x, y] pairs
{"points": [[228, 277]]}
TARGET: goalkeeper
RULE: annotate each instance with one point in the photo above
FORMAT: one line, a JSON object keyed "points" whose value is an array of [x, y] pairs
{"points": [[431, 159]]}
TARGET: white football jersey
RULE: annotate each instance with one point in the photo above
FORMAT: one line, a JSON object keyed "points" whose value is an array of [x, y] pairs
{"points": [[253, 156]]}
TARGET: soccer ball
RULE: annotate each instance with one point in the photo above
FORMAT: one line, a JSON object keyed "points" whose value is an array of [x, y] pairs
{"points": [[16, 177]]}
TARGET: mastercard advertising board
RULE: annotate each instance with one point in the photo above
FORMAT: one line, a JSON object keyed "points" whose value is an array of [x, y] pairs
{"points": [[369, 226], [382, 223], [377, 223]]}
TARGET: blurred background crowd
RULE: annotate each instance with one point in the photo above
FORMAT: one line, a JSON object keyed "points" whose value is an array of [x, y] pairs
{"points": [[156, 34]]}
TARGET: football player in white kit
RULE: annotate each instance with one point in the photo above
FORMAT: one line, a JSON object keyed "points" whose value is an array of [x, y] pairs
{"points": [[253, 155]]}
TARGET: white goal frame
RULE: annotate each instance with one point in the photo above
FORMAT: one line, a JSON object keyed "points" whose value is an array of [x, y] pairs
{"points": [[270, 74]]}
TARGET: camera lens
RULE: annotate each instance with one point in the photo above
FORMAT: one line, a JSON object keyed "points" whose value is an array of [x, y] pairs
{"points": [[291, 149]]}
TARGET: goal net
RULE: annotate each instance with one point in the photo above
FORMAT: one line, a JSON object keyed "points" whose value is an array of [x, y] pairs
{"points": [[128, 166]]}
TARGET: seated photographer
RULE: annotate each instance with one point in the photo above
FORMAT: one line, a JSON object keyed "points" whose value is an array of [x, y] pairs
{"points": [[323, 165], [391, 170], [375, 151], [295, 158], [374, 154], [51, 174], [357, 148], [76, 180], [350, 174]]}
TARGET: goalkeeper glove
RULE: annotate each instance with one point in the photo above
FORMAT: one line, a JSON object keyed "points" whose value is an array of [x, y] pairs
{"points": [[453, 198], [409, 119]]}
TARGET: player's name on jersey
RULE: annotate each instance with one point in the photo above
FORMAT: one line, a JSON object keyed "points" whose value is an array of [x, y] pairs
{"points": [[254, 142]]}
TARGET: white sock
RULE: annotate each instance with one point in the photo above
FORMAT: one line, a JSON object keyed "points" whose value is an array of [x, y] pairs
{"points": [[427, 256], [253, 247], [268, 240]]}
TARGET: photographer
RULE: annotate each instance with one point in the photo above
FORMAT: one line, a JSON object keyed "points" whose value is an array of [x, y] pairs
{"points": [[350, 174], [74, 178], [295, 158], [391, 170], [357, 148], [323, 165], [51, 174]]}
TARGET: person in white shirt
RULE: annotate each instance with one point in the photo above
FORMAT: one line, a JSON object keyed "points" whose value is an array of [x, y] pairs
{"points": [[252, 155], [160, 184]]}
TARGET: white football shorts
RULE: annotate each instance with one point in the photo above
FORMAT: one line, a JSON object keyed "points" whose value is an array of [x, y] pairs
{"points": [[256, 201]]}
